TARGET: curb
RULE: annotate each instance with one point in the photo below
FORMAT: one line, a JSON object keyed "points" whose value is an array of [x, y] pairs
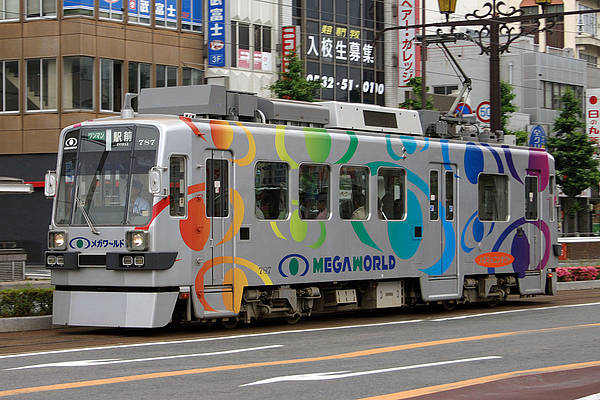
{"points": [[578, 285], [19, 324]]}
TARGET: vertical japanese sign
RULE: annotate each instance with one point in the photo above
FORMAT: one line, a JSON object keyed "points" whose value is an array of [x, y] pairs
{"points": [[407, 54], [289, 43], [191, 12], [592, 114], [216, 33], [139, 8], [112, 6]]}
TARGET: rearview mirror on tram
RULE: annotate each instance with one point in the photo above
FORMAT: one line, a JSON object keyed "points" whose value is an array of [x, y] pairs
{"points": [[50, 184], [155, 182]]}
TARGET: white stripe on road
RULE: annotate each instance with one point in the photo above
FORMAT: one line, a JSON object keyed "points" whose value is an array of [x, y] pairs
{"points": [[322, 376], [89, 363], [127, 346], [590, 397]]}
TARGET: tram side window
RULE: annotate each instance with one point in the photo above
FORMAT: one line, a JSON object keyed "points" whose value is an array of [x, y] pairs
{"points": [[551, 205], [271, 190], [449, 195], [217, 188], [391, 187], [177, 186], [433, 195], [531, 198], [314, 191], [493, 197], [354, 192]]}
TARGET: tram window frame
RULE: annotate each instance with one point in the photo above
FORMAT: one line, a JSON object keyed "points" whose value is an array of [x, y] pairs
{"points": [[434, 190], [449, 195], [311, 194], [532, 208], [354, 193], [219, 198], [178, 186], [261, 196], [396, 209], [551, 191], [500, 200]]}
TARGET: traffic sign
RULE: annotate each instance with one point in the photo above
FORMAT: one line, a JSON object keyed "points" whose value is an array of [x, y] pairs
{"points": [[464, 109], [484, 111]]}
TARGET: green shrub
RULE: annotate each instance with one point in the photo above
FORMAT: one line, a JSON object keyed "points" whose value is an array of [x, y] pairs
{"points": [[25, 302]]}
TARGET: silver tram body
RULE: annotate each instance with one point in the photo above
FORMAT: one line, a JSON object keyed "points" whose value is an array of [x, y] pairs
{"points": [[230, 207]]}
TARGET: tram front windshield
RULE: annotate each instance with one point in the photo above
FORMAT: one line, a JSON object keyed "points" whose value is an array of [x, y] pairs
{"points": [[104, 176]]}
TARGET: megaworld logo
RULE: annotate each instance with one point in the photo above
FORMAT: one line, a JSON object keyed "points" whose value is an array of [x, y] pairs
{"points": [[298, 265]]}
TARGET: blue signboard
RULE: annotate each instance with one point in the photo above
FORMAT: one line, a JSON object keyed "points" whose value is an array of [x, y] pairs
{"points": [[216, 33], [78, 4], [165, 10], [139, 8], [191, 12], [112, 6], [537, 138]]}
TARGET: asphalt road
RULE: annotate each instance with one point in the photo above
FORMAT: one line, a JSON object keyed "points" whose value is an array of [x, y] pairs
{"points": [[544, 348]]}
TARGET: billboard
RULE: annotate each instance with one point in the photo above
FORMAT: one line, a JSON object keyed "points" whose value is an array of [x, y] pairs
{"points": [[592, 114], [216, 33], [408, 11]]}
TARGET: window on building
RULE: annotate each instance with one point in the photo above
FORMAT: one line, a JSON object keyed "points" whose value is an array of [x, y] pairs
{"points": [[391, 185], [9, 86], [493, 197], [10, 10], [79, 7], [354, 193], [591, 60], [110, 10], [139, 12], [240, 45], [191, 15], [41, 8], [554, 91], [262, 48], [41, 84], [314, 191], [177, 186], [78, 83], [191, 76], [586, 23], [271, 190], [446, 90], [111, 85], [165, 13], [138, 78], [166, 76]]}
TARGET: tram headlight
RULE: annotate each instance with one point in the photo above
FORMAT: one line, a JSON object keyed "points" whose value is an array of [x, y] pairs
{"points": [[136, 240], [57, 240]]}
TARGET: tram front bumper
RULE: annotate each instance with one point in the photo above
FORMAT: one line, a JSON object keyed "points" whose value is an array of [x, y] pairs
{"points": [[113, 309]]}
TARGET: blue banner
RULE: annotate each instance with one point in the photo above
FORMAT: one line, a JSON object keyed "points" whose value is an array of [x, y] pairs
{"points": [[537, 137], [191, 12], [216, 33], [139, 8], [85, 4], [114, 6], [165, 10]]}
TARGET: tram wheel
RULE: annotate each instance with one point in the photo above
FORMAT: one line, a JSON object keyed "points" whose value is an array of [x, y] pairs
{"points": [[449, 305], [293, 319], [493, 303], [229, 323]]}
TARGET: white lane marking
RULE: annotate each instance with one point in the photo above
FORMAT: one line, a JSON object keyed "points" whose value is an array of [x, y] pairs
{"points": [[511, 312], [252, 335], [590, 397], [89, 363], [322, 376]]}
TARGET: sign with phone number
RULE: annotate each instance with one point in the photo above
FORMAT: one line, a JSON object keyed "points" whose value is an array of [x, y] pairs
{"points": [[329, 82]]}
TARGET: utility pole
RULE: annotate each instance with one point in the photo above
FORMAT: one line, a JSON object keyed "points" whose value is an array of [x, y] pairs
{"points": [[423, 59]]}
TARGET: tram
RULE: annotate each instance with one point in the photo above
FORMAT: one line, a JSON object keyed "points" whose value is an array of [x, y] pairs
{"points": [[213, 205]]}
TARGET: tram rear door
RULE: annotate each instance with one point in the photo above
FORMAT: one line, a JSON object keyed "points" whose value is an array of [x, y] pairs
{"points": [[532, 214], [219, 185]]}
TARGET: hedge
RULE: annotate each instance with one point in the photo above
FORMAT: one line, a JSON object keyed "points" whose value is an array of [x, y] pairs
{"points": [[25, 302], [583, 273]]}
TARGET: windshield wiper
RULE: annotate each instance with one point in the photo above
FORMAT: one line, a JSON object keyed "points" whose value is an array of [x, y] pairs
{"points": [[81, 206]]}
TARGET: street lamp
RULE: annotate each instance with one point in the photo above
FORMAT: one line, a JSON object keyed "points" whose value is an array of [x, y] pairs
{"points": [[447, 7]]}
